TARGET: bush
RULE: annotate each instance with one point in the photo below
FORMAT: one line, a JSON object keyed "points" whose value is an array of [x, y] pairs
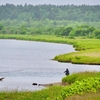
{"points": [[79, 87]]}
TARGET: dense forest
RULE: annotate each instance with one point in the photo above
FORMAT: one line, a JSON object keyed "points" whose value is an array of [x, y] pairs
{"points": [[64, 20], [52, 12]]}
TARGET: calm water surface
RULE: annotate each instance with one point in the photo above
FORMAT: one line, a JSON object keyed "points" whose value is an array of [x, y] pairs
{"points": [[25, 62]]}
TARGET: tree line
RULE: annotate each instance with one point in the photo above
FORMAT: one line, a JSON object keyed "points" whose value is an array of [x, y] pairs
{"points": [[64, 20], [27, 12], [66, 31]]}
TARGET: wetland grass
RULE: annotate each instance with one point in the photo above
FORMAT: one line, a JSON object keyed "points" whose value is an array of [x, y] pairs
{"points": [[91, 57], [50, 92], [88, 53]]}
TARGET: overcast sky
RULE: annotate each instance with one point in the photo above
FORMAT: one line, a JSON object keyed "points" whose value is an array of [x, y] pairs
{"points": [[54, 2]]}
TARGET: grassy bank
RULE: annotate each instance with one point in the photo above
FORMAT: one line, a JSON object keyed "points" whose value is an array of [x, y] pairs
{"points": [[75, 91], [43, 38], [51, 92], [91, 57], [88, 52]]}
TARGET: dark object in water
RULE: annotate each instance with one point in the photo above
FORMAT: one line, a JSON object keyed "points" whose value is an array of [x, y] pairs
{"points": [[34, 84], [66, 72], [1, 78], [42, 84]]}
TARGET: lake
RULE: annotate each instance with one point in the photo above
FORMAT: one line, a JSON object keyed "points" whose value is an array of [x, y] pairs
{"points": [[25, 62]]}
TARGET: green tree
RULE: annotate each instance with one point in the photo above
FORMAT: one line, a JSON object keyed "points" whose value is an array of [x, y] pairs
{"points": [[96, 33], [1, 26], [23, 29], [66, 31]]}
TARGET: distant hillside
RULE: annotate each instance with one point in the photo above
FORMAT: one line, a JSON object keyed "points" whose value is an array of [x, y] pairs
{"points": [[83, 13]]}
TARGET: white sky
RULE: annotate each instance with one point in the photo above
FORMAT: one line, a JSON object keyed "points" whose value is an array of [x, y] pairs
{"points": [[54, 2]]}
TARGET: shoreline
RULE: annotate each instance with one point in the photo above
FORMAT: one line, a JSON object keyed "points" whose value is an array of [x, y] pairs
{"points": [[51, 84], [88, 54]]}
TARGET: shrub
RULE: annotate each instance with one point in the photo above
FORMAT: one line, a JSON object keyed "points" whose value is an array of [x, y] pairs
{"points": [[79, 87]]}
